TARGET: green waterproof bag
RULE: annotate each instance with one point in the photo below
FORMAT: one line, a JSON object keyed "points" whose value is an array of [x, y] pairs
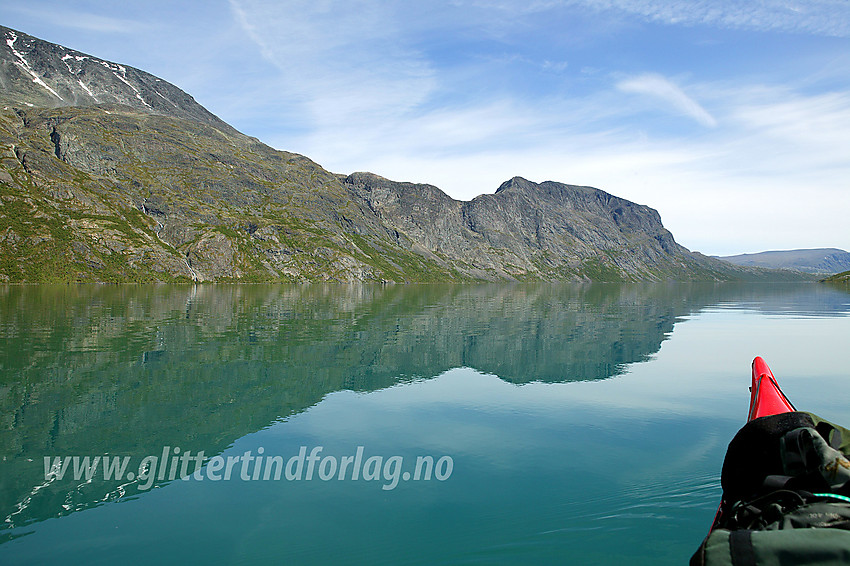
{"points": [[786, 495], [812, 547]]}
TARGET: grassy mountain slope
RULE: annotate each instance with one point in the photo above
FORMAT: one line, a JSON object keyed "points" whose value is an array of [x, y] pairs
{"points": [[843, 277]]}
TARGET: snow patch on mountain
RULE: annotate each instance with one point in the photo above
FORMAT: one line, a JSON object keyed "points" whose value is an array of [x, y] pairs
{"points": [[11, 38]]}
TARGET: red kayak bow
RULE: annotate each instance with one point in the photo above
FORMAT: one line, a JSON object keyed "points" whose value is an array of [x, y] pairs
{"points": [[766, 398]]}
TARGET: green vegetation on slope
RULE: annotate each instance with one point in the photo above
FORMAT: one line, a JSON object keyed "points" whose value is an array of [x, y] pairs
{"points": [[843, 277], [114, 196]]}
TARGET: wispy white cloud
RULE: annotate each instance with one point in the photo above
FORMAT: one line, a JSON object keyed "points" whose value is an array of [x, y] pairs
{"points": [[61, 16], [253, 33], [819, 17], [816, 17], [338, 60], [660, 88], [819, 120]]}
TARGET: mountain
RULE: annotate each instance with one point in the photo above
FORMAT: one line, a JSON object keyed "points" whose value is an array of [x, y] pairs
{"points": [[824, 261], [109, 174], [548, 230]]}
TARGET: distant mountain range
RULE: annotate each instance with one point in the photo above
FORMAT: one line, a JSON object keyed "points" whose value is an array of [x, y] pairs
{"points": [[108, 173], [821, 261]]}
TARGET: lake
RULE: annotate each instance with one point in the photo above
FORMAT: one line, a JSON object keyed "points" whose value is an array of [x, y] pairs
{"points": [[422, 424]]}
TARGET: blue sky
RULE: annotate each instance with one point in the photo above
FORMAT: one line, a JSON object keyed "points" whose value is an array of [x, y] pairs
{"points": [[731, 118]]}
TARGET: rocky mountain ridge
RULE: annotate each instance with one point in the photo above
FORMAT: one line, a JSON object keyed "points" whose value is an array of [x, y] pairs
{"points": [[546, 228], [109, 174]]}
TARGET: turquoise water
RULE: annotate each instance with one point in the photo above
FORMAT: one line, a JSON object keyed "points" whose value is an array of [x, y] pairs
{"points": [[555, 424]]}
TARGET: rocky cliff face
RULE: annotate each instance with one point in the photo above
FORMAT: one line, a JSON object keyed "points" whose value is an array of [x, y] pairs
{"points": [[110, 174], [527, 230]]}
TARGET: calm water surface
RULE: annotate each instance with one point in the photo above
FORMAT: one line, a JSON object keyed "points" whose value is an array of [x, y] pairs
{"points": [[567, 424]]}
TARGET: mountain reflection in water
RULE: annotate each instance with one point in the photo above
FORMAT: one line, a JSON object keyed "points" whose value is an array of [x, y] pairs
{"points": [[130, 369]]}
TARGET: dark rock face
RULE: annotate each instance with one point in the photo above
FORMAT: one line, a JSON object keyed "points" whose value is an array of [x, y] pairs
{"points": [[534, 231], [108, 173]]}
